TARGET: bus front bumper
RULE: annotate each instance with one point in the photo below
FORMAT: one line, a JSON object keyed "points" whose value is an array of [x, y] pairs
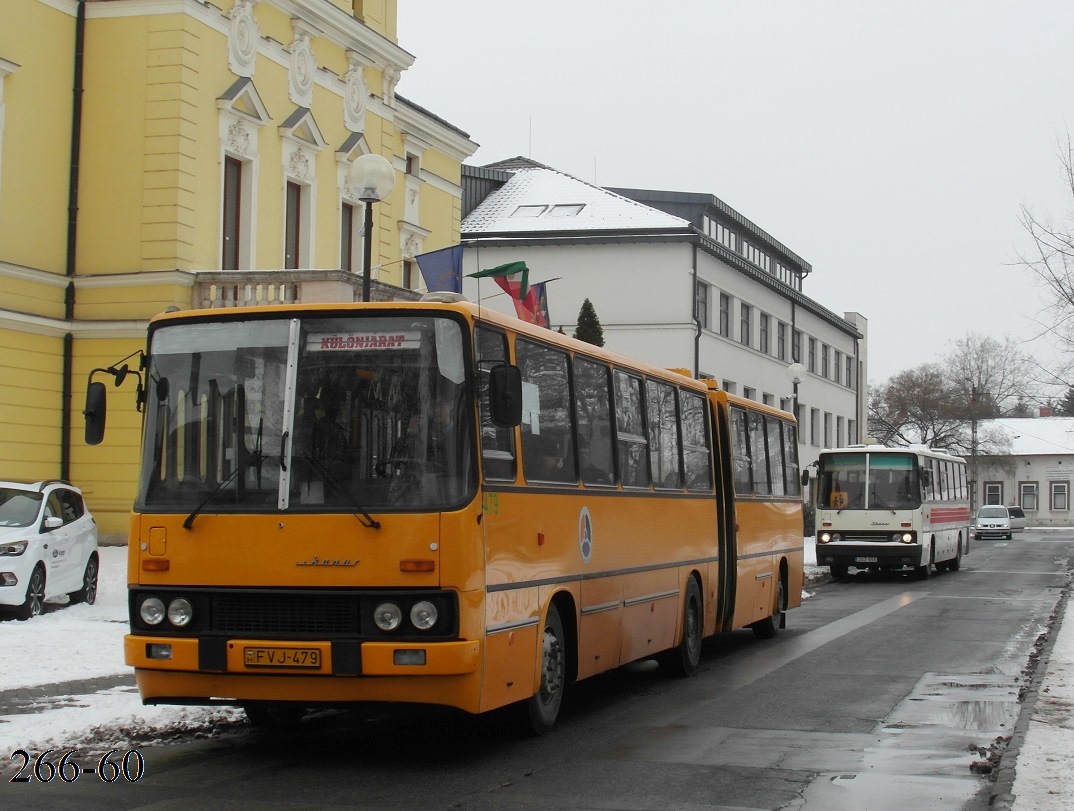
{"points": [[866, 555], [301, 658]]}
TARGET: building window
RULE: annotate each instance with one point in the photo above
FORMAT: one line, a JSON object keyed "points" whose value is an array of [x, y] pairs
{"points": [[702, 304], [292, 250], [993, 492], [768, 399], [413, 164], [748, 393], [745, 325], [852, 439], [756, 256], [825, 366], [839, 435], [837, 367], [346, 239], [814, 426], [725, 315], [408, 274], [232, 233], [796, 346], [827, 430], [1028, 495], [763, 320], [1060, 502], [781, 341], [813, 355], [850, 372], [729, 386], [786, 403]]}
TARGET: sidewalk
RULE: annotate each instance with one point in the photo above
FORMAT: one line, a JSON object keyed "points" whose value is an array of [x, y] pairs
{"points": [[1036, 772]]}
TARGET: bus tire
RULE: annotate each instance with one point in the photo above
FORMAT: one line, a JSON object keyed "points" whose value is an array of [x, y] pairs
{"points": [[769, 626], [955, 563], [683, 659], [543, 706], [923, 572]]}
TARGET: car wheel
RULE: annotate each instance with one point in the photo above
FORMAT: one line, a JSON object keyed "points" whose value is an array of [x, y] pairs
{"points": [[88, 593], [35, 596]]}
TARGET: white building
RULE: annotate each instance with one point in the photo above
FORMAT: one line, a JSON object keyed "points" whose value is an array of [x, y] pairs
{"points": [[680, 280], [1038, 471]]}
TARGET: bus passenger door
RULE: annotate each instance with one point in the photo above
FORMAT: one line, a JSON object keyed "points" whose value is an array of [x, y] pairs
{"points": [[726, 518]]}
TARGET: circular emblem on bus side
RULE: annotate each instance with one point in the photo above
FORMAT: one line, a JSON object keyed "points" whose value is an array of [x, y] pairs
{"points": [[585, 534]]}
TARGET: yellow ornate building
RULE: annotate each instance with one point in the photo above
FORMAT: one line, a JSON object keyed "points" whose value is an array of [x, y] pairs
{"points": [[185, 153]]}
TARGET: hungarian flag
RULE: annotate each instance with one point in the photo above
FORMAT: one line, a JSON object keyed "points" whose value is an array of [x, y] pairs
{"points": [[531, 301]]}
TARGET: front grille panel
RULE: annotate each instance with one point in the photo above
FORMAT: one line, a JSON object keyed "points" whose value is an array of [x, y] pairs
{"points": [[282, 614]]}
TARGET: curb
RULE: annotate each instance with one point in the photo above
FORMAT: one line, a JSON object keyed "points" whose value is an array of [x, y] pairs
{"points": [[1003, 796]]}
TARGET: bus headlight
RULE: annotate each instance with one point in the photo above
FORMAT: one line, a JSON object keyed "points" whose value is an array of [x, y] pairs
{"points": [[424, 615], [906, 537], [151, 611], [180, 612], [824, 537], [387, 616]]}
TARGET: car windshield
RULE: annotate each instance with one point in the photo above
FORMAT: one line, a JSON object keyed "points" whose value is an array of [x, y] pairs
{"points": [[864, 481], [18, 508], [992, 512], [329, 413]]}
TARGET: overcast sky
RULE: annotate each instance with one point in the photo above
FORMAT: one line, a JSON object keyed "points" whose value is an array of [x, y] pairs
{"points": [[889, 144]]}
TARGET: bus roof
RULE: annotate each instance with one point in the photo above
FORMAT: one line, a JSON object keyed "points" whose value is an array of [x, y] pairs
{"points": [[920, 450]]}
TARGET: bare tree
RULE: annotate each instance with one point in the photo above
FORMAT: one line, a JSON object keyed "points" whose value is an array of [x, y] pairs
{"points": [[1051, 260], [992, 377], [919, 405]]}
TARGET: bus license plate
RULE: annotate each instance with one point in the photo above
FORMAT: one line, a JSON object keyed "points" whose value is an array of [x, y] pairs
{"points": [[865, 560], [282, 657]]}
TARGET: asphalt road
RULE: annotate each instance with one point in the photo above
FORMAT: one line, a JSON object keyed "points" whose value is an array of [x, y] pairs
{"points": [[884, 692]]}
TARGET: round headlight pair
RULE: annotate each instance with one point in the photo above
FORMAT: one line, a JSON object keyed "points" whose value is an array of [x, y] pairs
{"points": [[829, 537], [180, 612], [423, 616]]}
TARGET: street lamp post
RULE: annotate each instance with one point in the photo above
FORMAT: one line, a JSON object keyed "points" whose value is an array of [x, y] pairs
{"points": [[374, 177], [796, 372], [973, 450]]}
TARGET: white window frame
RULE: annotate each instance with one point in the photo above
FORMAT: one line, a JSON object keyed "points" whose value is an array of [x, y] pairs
{"points": [[1029, 492], [1059, 492]]}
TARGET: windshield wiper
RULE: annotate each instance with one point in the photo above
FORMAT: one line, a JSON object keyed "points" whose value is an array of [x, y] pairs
{"points": [[883, 501], [255, 458], [359, 512]]}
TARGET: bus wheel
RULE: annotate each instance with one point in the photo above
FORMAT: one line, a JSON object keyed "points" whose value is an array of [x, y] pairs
{"points": [[683, 659], [956, 564], [544, 705], [839, 571], [274, 716], [767, 628]]}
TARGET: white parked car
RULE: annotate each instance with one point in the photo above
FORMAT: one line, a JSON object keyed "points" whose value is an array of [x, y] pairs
{"points": [[48, 546], [992, 521]]}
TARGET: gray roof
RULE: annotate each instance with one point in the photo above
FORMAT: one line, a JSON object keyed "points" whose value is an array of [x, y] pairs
{"points": [[558, 202]]}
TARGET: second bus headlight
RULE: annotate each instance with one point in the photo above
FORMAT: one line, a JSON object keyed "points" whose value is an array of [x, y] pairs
{"points": [[424, 615], [180, 612]]}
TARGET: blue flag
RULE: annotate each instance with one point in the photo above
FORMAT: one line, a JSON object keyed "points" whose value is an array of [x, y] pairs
{"points": [[442, 269]]}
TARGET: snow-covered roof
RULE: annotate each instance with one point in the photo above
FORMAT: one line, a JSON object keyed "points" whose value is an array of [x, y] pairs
{"points": [[538, 198], [1036, 436]]}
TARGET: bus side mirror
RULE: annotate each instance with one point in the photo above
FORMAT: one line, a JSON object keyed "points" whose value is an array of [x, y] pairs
{"points": [[805, 478], [505, 395], [96, 400]]}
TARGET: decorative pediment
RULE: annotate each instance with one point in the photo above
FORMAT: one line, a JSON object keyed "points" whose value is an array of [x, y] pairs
{"points": [[244, 101], [301, 127]]}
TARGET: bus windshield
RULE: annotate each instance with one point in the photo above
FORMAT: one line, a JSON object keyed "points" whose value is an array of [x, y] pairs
{"points": [[319, 413], [868, 481]]}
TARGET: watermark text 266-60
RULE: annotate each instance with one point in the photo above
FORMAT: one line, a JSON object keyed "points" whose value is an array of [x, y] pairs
{"points": [[60, 763]]}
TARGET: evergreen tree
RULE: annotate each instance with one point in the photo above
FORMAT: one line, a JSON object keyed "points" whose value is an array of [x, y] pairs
{"points": [[589, 329], [1065, 407]]}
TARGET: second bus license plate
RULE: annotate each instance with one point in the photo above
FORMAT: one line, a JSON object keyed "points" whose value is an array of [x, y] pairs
{"points": [[282, 657], [865, 560]]}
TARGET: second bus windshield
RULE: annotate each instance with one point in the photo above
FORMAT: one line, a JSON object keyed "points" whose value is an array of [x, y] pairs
{"points": [[868, 481]]}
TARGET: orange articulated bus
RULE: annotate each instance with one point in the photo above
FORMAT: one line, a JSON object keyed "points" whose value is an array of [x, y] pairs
{"points": [[432, 503]]}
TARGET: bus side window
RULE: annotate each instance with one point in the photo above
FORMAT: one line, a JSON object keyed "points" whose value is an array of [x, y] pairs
{"points": [[630, 431], [697, 458], [547, 435], [663, 435], [593, 418], [740, 450], [790, 458], [497, 443]]}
